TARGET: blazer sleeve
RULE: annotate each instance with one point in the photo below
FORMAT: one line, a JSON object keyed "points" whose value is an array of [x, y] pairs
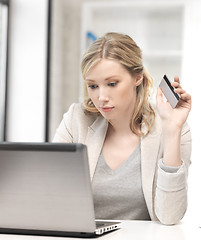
{"points": [[170, 201]]}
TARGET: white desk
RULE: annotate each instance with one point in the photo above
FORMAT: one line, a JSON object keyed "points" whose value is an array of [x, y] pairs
{"points": [[134, 230]]}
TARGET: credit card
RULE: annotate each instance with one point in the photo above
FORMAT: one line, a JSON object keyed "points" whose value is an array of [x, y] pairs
{"points": [[168, 91]]}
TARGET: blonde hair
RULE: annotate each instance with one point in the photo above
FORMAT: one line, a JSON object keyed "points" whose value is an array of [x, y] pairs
{"points": [[116, 46]]}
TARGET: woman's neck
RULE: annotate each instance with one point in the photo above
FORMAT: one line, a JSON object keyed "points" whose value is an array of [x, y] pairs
{"points": [[120, 129]]}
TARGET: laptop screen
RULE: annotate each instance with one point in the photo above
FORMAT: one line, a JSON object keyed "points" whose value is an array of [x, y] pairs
{"points": [[45, 186]]}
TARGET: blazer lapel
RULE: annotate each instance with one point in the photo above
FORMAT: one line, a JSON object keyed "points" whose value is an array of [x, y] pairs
{"points": [[150, 145], [94, 141]]}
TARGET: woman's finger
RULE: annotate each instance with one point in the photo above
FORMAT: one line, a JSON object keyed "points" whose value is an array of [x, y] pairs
{"points": [[179, 91], [176, 79], [185, 96], [176, 85]]}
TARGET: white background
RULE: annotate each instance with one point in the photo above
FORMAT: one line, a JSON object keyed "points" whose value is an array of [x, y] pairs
{"points": [[27, 70], [192, 83]]}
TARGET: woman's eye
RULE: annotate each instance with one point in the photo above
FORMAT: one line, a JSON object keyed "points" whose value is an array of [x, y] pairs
{"points": [[113, 84], [92, 86]]}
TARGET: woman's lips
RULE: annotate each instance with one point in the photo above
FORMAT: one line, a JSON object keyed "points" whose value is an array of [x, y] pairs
{"points": [[106, 109]]}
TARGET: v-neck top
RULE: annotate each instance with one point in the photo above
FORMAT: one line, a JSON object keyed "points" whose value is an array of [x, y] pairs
{"points": [[118, 193]]}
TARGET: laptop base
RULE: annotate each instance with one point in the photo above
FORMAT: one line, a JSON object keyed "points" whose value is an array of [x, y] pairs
{"points": [[46, 233]]}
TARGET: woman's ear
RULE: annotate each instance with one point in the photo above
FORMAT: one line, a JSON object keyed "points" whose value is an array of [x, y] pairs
{"points": [[139, 79]]}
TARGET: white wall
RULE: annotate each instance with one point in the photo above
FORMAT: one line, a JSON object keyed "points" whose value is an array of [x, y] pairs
{"points": [[192, 82], [27, 70]]}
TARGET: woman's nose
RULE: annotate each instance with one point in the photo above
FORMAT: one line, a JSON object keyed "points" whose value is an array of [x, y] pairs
{"points": [[103, 95]]}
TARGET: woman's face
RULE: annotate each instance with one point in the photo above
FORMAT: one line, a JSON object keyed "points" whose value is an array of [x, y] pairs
{"points": [[112, 89]]}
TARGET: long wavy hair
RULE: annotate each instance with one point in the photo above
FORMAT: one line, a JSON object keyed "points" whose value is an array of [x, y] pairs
{"points": [[116, 46]]}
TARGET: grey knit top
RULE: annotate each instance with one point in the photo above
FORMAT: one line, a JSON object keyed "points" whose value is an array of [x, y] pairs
{"points": [[118, 193]]}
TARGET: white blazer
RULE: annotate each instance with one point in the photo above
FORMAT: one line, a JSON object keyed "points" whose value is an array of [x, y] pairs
{"points": [[165, 193]]}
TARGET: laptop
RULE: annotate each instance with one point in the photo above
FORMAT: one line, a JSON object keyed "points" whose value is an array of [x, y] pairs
{"points": [[45, 189]]}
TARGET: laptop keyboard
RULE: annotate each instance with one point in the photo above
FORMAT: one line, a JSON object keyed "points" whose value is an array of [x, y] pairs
{"points": [[100, 224]]}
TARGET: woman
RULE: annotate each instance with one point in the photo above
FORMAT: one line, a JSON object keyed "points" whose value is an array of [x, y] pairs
{"points": [[138, 155]]}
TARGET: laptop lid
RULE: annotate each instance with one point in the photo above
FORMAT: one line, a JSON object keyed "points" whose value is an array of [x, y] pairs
{"points": [[45, 188]]}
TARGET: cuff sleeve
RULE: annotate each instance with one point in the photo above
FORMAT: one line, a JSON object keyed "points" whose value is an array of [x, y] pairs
{"points": [[167, 168], [172, 180]]}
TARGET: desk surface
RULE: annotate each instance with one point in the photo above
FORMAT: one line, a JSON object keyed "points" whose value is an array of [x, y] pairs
{"points": [[134, 230]]}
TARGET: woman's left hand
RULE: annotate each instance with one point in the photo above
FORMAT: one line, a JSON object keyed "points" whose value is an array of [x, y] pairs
{"points": [[179, 114]]}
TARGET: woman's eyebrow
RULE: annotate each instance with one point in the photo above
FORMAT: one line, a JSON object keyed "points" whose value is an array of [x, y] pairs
{"points": [[112, 77], [106, 79], [89, 80]]}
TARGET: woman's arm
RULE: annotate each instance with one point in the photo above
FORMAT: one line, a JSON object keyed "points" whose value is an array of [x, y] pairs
{"points": [[170, 201], [171, 188]]}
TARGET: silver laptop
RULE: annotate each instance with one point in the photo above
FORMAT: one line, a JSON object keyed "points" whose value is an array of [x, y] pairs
{"points": [[45, 189]]}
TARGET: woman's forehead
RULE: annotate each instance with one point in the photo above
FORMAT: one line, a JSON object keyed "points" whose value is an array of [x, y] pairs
{"points": [[107, 68]]}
